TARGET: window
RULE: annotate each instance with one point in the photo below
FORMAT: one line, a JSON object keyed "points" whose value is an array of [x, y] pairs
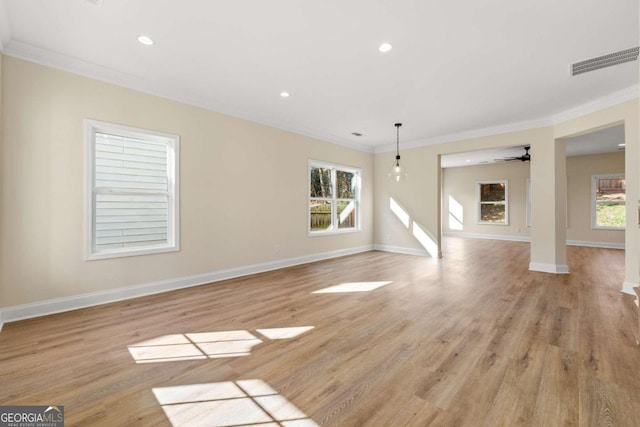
{"points": [[131, 191], [608, 202], [334, 198], [493, 202]]}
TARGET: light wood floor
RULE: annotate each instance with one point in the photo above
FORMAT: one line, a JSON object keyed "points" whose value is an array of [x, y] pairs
{"points": [[472, 339]]}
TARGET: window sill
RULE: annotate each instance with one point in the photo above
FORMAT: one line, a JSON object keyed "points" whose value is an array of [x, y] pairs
{"points": [[121, 253], [332, 232]]}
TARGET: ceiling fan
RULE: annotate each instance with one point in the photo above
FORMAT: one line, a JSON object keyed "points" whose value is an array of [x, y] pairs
{"points": [[526, 157]]}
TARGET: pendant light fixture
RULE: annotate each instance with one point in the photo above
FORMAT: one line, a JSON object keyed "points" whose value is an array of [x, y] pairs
{"points": [[398, 173]]}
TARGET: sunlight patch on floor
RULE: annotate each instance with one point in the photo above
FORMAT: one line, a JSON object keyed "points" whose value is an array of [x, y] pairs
{"points": [[229, 404], [352, 287], [207, 345]]}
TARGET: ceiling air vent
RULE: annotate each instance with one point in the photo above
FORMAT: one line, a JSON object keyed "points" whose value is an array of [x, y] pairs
{"points": [[615, 58]]}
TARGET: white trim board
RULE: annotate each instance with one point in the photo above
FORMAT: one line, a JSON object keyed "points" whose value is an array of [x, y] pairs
{"points": [[401, 250], [589, 107], [526, 239], [627, 288], [59, 305], [604, 245], [549, 268]]}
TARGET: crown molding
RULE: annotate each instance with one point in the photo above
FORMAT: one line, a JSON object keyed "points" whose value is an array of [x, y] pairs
{"points": [[461, 136], [610, 100], [149, 86], [5, 31], [98, 72]]}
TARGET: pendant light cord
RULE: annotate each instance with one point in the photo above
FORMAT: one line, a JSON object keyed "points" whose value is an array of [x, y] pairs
{"points": [[398, 141]]}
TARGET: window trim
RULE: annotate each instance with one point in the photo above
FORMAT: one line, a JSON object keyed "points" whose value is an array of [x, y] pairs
{"points": [[479, 202], [91, 127], [594, 219], [528, 195], [334, 166]]}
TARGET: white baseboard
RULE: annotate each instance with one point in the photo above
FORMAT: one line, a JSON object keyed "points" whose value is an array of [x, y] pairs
{"points": [[605, 245], [549, 268], [487, 236], [627, 288], [401, 250], [59, 305]]}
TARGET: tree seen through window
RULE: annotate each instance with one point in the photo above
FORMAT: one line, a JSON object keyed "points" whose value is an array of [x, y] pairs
{"points": [[333, 201]]}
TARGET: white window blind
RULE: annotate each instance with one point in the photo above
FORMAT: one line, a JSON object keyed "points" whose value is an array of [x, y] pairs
{"points": [[133, 197]]}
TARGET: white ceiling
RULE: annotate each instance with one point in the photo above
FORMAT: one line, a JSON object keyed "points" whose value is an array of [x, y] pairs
{"points": [[455, 67], [601, 141]]}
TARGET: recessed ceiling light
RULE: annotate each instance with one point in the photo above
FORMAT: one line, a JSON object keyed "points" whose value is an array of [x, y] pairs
{"points": [[385, 47], [468, 161], [145, 40], [284, 94], [622, 144]]}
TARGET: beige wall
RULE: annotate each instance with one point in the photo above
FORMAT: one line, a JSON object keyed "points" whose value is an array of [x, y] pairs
{"points": [[548, 206], [230, 170], [626, 113], [2, 230], [243, 187], [460, 182], [419, 194], [459, 185], [580, 170]]}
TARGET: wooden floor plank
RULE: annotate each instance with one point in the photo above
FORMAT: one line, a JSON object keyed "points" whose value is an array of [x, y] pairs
{"points": [[471, 339], [559, 378]]}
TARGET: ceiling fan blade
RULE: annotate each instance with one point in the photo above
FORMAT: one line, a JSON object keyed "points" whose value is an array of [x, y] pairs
{"points": [[526, 157]]}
